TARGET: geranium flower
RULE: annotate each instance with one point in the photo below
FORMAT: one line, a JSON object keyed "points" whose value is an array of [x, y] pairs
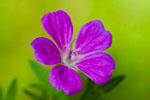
{"points": [[86, 54]]}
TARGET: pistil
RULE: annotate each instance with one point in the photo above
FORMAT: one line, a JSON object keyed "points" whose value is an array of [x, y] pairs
{"points": [[69, 56]]}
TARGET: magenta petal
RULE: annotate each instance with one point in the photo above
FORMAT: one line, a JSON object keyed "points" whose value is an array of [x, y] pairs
{"points": [[92, 37], [59, 26], [64, 78], [45, 51], [97, 66]]}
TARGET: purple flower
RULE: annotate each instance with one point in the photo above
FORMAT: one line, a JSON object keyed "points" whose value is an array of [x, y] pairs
{"points": [[86, 55]]}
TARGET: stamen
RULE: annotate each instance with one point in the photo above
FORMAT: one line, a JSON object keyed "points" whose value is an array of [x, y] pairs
{"points": [[69, 56], [76, 51], [66, 46]]}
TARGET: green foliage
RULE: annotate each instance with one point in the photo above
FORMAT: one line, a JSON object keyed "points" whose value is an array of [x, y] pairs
{"points": [[95, 91], [46, 87], [12, 90], [33, 95], [39, 71], [60, 95], [112, 84], [42, 87]]}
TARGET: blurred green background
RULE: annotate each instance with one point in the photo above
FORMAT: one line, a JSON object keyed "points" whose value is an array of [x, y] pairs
{"points": [[127, 20]]}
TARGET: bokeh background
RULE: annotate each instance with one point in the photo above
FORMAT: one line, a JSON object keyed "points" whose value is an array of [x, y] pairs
{"points": [[127, 20]]}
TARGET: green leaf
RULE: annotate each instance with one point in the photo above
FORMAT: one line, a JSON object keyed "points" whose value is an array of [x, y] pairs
{"points": [[60, 95], [11, 92], [42, 75], [98, 90], [112, 83], [37, 86], [33, 95], [57, 94], [39, 71], [41, 87], [1, 94]]}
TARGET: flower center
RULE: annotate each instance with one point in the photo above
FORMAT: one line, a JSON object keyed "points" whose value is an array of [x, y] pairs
{"points": [[71, 57], [67, 60]]}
